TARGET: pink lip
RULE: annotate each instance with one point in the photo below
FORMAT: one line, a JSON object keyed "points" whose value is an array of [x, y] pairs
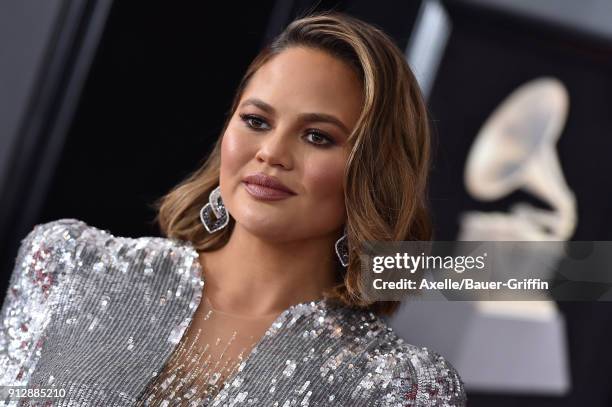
{"points": [[267, 181], [265, 193]]}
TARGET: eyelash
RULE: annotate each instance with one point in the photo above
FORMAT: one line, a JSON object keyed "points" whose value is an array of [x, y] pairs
{"points": [[247, 117]]}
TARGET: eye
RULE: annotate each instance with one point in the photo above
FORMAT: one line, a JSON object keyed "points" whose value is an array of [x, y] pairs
{"points": [[257, 123], [319, 138], [253, 121]]}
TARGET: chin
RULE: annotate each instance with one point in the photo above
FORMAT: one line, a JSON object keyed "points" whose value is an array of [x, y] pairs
{"points": [[268, 231]]}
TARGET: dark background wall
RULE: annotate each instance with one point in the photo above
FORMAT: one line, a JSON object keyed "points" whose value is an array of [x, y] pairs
{"points": [[156, 98]]}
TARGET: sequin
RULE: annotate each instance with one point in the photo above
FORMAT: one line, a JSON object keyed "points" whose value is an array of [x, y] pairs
{"points": [[100, 315]]}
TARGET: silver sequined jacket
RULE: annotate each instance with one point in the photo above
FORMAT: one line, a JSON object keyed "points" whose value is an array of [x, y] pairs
{"points": [[99, 315]]}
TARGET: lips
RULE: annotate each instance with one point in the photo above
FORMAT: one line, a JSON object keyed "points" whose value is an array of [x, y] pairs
{"points": [[267, 181], [266, 188]]}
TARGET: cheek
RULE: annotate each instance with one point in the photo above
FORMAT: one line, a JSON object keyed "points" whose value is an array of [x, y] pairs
{"points": [[323, 178], [235, 152]]}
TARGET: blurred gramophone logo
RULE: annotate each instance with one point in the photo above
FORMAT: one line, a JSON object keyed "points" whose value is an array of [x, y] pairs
{"points": [[515, 150]]}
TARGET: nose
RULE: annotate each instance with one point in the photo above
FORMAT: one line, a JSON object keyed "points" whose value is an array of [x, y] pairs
{"points": [[276, 149]]}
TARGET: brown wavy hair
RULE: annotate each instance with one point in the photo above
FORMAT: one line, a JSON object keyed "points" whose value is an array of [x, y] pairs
{"points": [[385, 182]]}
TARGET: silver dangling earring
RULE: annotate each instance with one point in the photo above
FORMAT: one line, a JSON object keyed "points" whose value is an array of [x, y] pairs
{"points": [[342, 249], [214, 207]]}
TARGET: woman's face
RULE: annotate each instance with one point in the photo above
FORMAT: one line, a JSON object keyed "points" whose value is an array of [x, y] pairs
{"points": [[292, 122]]}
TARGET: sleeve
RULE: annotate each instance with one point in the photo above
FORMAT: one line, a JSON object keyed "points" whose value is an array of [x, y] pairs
{"points": [[423, 378], [26, 310], [439, 383]]}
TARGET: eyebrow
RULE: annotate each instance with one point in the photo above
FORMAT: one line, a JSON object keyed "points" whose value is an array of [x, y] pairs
{"points": [[308, 117]]}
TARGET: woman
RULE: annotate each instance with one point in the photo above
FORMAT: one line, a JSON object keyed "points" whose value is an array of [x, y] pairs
{"points": [[254, 296]]}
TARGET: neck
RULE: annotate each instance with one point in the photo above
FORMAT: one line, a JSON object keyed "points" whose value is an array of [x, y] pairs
{"points": [[255, 276]]}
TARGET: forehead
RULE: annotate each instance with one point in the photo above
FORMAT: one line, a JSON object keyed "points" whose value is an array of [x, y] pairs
{"points": [[303, 79]]}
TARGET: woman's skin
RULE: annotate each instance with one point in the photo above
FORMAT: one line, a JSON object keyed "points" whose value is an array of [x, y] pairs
{"points": [[281, 252]]}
